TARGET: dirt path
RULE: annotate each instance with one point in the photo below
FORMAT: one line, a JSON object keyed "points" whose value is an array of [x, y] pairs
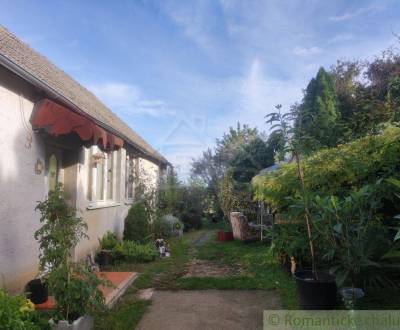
{"points": [[208, 310]]}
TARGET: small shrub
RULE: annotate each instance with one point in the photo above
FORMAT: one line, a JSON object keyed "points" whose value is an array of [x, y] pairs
{"points": [[16, 312], [166, 226], [135, 252], [109, 241], [137, 223]]}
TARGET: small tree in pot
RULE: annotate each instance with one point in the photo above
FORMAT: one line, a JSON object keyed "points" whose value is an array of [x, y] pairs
{"points": [[75, 288], [76, 291], [317, 290]]}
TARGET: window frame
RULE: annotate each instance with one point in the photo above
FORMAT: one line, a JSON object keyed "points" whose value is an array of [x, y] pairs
{"points": [[133, 159], [94, 201]]}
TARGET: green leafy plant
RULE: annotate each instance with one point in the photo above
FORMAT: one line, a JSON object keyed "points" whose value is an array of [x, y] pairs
{"points": [[289, 240], [109, 241], [74, 287], [137, 223], [76, 290], [135, 252], [293, 145], [16, 312], [350, 229], [61, 230]]}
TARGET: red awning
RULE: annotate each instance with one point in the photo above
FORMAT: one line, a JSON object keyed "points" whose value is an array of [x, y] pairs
{"points": [[56, 120]]}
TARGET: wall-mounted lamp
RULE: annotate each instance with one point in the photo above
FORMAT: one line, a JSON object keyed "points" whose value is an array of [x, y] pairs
{"points": [[39, 167]]}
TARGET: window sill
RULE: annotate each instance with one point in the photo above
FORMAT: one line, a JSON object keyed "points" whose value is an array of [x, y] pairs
{"points": [[102, 205]]}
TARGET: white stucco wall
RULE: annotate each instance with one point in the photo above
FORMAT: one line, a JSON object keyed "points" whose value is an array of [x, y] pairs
{"points": [[21, 187]]}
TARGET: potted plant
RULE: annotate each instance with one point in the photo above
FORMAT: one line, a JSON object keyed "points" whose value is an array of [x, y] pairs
{"points": [[74, 287], [348, 227], [107, 244], [78, 297], [317, 290]]}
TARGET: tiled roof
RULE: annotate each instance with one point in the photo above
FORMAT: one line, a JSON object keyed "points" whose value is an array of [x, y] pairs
{"points": [[39, 67]]}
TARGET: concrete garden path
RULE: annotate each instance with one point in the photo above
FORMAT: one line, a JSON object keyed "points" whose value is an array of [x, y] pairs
{"points": [[207, 309]]}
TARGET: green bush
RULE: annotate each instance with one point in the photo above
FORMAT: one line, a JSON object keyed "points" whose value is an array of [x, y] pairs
{"points": [[108, 241], [137, 223], [160, 228], [337, 171], [16, 312], [135, 252], [166, 226]]}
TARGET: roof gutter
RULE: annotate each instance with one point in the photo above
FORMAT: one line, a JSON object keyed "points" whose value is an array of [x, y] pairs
{"points": [[56, 95]]}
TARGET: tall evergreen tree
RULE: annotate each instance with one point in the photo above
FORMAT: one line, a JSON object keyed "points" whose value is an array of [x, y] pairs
{"points": [[316, 121]]}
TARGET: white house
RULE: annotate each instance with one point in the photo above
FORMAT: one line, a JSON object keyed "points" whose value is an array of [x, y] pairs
{"points": [[53, 130]]}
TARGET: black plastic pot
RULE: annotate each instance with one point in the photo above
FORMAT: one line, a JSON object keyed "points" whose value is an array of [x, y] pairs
{"points": [[104, 258], [316, 294], [37, 291]]}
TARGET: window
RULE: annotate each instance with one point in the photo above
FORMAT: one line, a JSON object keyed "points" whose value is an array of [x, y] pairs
{"points": [[100, 179], [110, 175], [129, 177], [102, 176]]}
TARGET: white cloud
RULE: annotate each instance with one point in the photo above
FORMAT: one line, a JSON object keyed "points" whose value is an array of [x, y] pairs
{"points": [[361, 11], [259, 94], [128, 99], [194, 22], [304, 51]]}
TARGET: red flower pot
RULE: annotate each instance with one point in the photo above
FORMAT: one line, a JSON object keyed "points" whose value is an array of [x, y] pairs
{"points": [[225, 236]]}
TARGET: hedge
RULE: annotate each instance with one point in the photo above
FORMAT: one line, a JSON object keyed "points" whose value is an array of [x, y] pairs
{"points": [[336, 171]]}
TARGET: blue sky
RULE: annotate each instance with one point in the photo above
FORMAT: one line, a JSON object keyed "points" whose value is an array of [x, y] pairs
{"points": [[181, 72]]}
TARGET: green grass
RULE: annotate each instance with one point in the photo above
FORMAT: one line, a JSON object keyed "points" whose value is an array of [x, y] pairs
{"points": [[261, 271]]}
